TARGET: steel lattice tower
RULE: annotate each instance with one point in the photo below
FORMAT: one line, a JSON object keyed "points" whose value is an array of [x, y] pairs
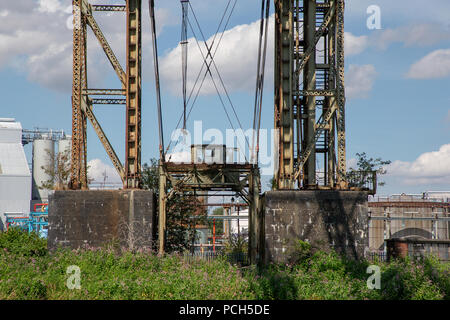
{"points": [[309, 93], [83, 98]]}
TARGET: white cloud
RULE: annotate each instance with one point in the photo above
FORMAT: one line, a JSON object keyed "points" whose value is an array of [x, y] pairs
{"points": [[97, 171], [429, 168], [35, 40], [401, 10], [359, 80], [354, 44], [50, 6], [235, 60], [416, 35], [419, 35], [434, 65]]}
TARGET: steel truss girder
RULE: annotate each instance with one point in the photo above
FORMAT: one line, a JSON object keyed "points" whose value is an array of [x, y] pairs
{"points": [[114, 8], [109, 101], [86, 107], [82, 103], [104, 92], [242, 179]]}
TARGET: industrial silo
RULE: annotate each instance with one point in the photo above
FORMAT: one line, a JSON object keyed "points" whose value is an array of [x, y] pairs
{"points": [[65, 145], [43, 163]]}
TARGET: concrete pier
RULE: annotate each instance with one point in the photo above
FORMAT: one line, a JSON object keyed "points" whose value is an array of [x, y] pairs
{"points": [[95, 218], [325, 219]]}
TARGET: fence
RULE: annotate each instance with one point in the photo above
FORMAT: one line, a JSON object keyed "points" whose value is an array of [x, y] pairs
{"points": [[376, 256], [365, 180], [209, 256]]}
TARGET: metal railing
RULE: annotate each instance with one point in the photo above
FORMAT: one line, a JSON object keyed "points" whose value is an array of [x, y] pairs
{"points": [[365, 180], [375, 256], [409, 198], [210, 256]]}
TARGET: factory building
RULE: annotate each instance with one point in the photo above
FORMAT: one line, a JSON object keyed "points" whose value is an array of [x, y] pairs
{"points": [[424, 216], [15, 176]]}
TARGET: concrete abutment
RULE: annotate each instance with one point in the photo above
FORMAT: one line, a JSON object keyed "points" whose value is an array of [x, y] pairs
{"points": [[94, 218], [326, 219]]}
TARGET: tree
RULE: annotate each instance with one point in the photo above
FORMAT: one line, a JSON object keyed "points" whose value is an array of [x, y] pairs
{"points": [[273, 183], [181, 211], [365, 167], [59, 172]]}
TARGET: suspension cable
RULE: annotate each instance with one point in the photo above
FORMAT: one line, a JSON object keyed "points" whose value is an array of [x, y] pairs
{"points": [[218, 73], [184, 53], [217, 90], [151, 4], [207, 66], [262, 53]]}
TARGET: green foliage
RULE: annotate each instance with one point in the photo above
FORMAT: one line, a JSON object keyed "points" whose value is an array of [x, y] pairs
{"points": [[415, 280], [366, 165], [180, 210], [273, 184], [59, 172], [18, 242], [236, 245], [27, 271], [150, 176], [301, 252]]}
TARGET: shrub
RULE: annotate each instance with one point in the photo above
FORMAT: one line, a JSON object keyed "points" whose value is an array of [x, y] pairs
{"points": [[28, 272], [17, 241]]}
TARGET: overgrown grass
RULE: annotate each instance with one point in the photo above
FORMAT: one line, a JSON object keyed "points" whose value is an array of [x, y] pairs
{"points": [[28, 271]]}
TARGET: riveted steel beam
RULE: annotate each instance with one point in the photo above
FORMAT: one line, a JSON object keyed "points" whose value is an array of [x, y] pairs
{"points": [[104, 92], [109, 101], [78, 165], [133, 86], [113, 8]]}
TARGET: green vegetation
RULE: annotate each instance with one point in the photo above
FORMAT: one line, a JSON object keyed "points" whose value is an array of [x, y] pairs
{"points": [[366, 165], [180, 210], [28, 271]]}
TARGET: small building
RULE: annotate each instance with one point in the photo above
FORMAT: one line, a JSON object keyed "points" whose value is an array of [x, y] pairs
{"points": [[15, 176]]}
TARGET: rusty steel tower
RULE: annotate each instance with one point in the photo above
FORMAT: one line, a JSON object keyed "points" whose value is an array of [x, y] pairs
{"points": [[83, 98], [310, 94]]}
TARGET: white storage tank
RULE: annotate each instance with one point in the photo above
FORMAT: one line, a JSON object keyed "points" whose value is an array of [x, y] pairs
{"points": [[65, 144], [43, 157]]}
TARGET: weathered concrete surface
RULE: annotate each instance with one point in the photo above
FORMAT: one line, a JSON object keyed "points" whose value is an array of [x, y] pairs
{"points": [[94, 218], [325, 219]]}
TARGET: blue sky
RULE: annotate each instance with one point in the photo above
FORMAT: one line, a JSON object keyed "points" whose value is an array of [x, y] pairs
{"points": [[397, 79]]}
